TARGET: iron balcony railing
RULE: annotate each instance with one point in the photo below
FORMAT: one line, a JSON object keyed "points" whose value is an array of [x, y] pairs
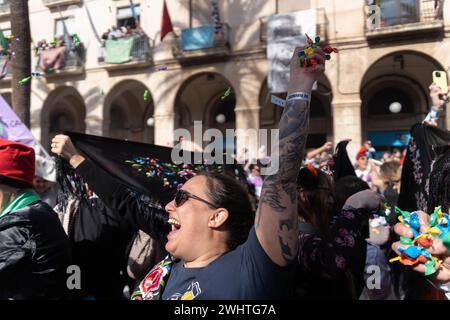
{"points": [[72, 59], [401, 12], [204, 37], [141, 50], [5, 7]]}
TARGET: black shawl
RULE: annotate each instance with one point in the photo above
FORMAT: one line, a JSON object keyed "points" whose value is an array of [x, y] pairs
{"points": [[427, 143], [342, 166], [147, 168]]}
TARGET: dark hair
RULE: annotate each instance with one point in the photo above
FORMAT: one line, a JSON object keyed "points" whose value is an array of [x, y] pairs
{"points": [[252, 166], [14, 183], [315, 190], [346, 187], [227, 192]]}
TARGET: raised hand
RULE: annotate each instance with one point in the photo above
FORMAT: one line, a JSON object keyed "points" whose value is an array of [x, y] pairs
{"points": [[442, 274], [302, 79], [437, 97], [276, 220], [327, 146], [63, 146]]}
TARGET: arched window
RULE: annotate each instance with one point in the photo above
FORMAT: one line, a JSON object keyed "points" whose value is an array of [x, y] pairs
{"points": [[385, 102], [119, 118], [63, 110], [207, 97], [224, 107], [317, 109], [126, 112], [61, 121]]}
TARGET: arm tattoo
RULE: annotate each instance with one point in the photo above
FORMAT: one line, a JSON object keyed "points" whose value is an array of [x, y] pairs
{"points": [[292, 140], [280, 189], [288, 237]]}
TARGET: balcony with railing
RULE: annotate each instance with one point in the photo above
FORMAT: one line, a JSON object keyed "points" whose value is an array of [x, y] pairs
{"points": [[57, 3], [127, 52], [202, 42], [394, 17], [5, 9], [322, 26], [60, 61]]}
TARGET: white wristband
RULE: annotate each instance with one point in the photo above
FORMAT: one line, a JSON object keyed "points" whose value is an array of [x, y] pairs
{"points": [[278, 101], [434, 114], [305, 96]]}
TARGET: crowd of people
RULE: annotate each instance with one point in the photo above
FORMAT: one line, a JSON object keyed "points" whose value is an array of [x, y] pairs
{"points": [[57, 42], [43, 45], [321, 222], [115, 33]]}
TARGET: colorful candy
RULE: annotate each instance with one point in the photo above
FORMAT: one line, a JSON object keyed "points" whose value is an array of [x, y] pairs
{"points": [[305, 56], [417, 250]]}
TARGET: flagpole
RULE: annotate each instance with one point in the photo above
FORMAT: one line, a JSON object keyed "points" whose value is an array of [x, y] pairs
{"points": [[92, 24], [133, 13]]}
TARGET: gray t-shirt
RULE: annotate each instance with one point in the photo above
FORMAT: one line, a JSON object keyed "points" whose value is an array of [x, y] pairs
{"points": [[246, 273]]}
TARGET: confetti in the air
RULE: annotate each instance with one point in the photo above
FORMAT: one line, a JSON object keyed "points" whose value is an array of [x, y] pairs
{"points": [[146, 95]]}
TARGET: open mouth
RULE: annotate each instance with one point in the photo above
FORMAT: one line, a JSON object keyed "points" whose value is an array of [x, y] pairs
{"points": [[176, 225]]}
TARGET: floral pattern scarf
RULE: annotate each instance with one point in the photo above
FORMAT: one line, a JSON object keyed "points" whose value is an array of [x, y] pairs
{"points": [[152, 286], [426, 144]]}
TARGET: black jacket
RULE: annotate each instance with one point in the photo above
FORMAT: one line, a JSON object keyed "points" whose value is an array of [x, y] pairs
{"points": [[124, 210], [34, 254], [137, 210], [99, 241]]}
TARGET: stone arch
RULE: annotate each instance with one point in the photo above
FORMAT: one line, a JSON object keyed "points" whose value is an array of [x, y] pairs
{"points": [[8, 97], [403, 77], [126, 112], [63, 110], [208, 97], [321, 121]]}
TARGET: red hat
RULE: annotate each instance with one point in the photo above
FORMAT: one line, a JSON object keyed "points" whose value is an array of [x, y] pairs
{"points": [[17, 164], [361, 153]]}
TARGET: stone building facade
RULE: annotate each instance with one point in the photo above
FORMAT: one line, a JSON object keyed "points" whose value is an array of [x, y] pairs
{"points": [[376, 66]]}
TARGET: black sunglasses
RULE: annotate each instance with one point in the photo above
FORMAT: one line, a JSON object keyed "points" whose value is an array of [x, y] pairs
{"points": [[181, 196]]}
